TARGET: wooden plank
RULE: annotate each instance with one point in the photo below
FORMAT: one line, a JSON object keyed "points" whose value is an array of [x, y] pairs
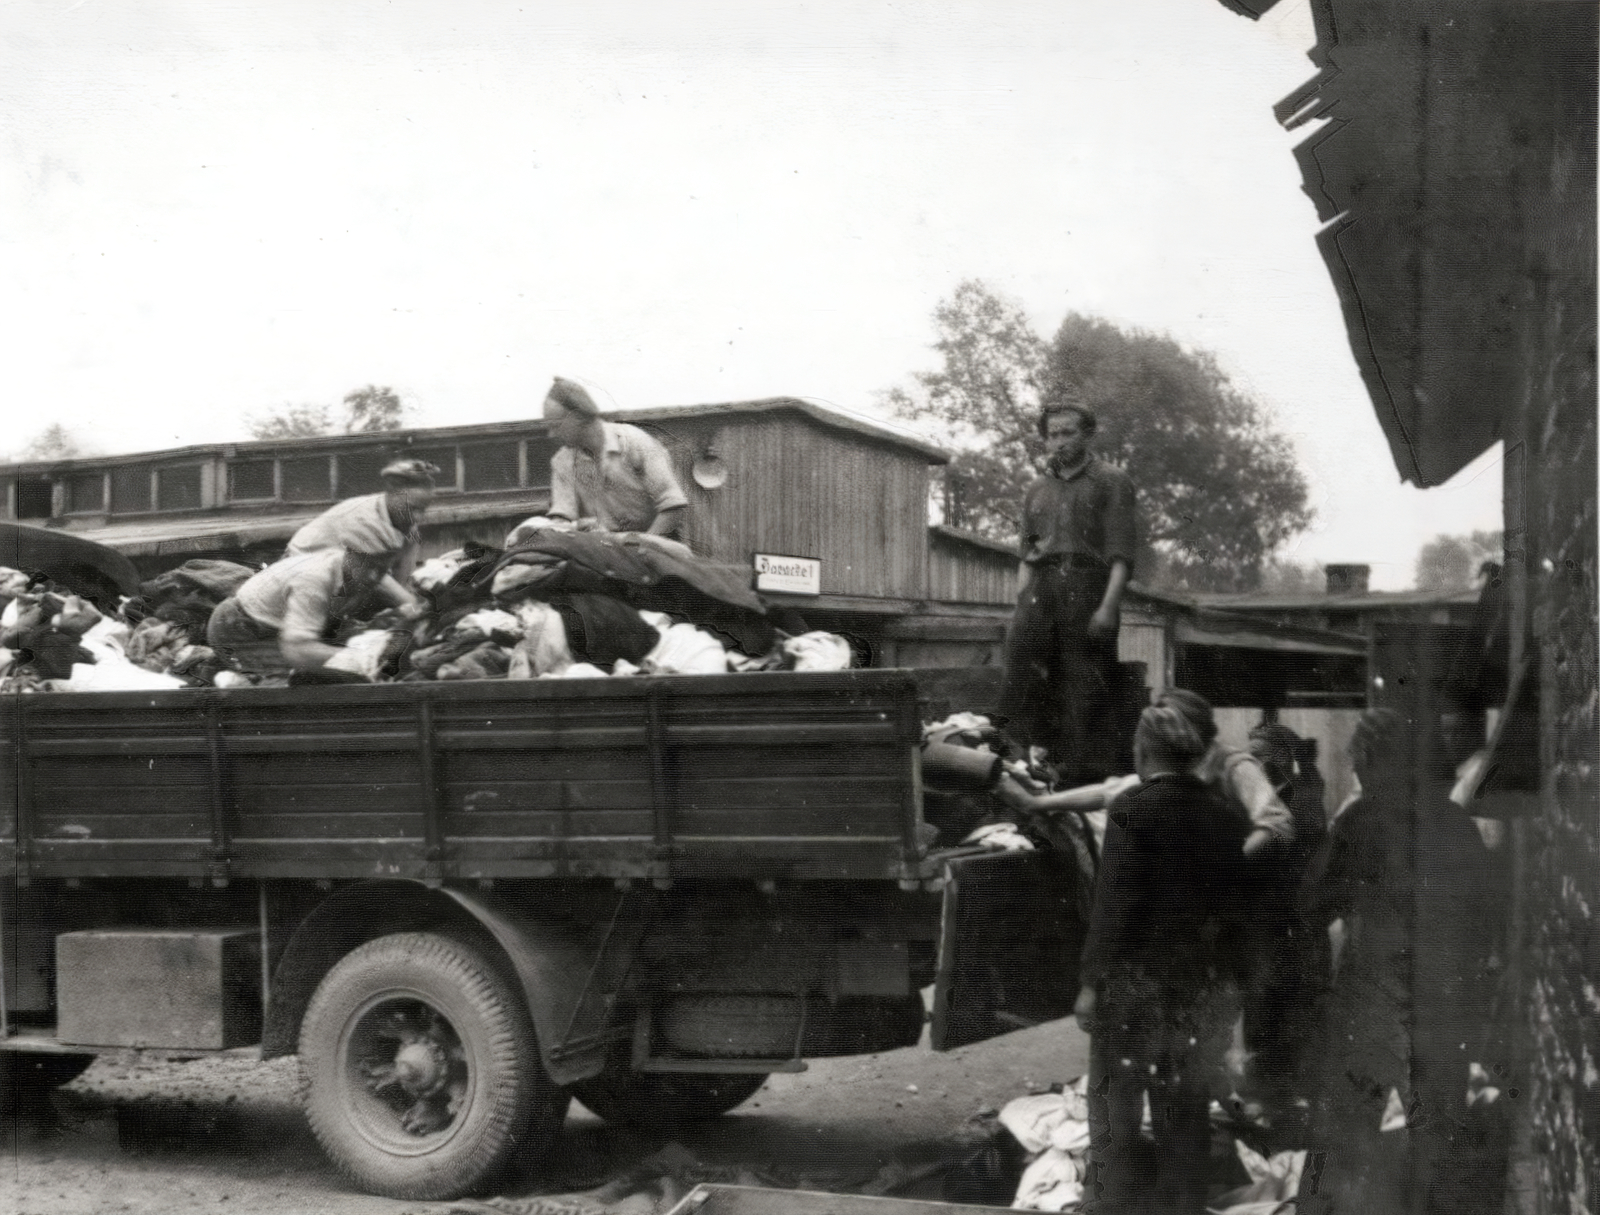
{"points": [[545, 824], [107, 828], [335, 801], [385, 827], [468, 800], [130, 772]]}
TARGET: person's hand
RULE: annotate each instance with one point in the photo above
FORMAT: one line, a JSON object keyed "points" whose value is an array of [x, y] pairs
{"points": [[1257, 842], [1103, 621], [413, 610], [588, 524], [1084, 1009]]}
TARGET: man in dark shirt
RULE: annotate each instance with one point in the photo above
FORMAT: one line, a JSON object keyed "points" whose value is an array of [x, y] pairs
{"points": [[1078, 540]]}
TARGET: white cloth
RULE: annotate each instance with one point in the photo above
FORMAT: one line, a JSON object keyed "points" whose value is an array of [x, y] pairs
{"points": [[686, 650], [543, 649], [361, 654], [1053, 1128], [818, 652], [110, 675]]}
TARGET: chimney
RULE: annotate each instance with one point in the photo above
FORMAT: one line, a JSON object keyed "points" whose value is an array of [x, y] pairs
{"points": [[1347, 579]]}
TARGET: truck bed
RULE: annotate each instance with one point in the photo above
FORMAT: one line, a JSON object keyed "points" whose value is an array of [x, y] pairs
{"points": [[782, 775]]}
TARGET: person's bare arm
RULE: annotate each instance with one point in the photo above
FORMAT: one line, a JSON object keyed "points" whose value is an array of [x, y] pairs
{"points": [[667, 521], [1105, 616]]}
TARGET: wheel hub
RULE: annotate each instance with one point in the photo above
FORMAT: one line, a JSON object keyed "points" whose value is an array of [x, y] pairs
{"points": [[421, 1067]]}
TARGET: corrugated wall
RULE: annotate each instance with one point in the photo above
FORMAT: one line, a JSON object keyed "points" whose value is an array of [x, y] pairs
{"points": [[797, 490], [966, 573]]}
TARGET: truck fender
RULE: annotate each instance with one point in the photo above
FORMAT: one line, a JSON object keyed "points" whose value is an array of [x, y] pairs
{"points": [[558, 970], [568, 980]]}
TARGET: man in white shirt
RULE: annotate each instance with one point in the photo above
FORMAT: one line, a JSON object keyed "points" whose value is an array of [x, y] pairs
{"points": [[613, 474]]}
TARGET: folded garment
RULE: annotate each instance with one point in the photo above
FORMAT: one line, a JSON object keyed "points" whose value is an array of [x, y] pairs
{"points": [[12, 582], [543, 649], [487, 661], [535, 523], [77, 616], [491, 622], [428, 660], [581, 670], [154, 644], [602, 628], [818, 652], [114, 676], [215, 579], [686, 650], [52, 655], [528, 578], [363, 654], [436, 573]]}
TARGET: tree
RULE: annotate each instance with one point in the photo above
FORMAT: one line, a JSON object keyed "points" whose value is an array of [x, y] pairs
{"points": [[1285, 576], [1219, 489], [290, 422], [366, 410], [1451, 563], [372, 409], [54, 442]]}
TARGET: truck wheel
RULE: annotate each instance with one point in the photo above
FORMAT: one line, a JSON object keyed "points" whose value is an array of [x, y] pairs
{"points": [[25, 1077], [420, 1069], [663, 1100]]}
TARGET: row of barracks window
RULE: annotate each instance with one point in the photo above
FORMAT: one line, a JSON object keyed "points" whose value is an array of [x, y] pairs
{"points": [[145, 487]]}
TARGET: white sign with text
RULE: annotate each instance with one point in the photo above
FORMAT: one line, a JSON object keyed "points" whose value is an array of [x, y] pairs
{"points": [[796, 575]]}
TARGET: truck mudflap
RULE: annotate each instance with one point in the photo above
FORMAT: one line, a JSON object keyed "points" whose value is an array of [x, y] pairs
{"points": [[1010, 934]]}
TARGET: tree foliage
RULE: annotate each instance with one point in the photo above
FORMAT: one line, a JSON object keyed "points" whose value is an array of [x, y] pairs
{"points": [[364, 411], [373, 409], [1219, 489], [1451, 563], [54, 442]]}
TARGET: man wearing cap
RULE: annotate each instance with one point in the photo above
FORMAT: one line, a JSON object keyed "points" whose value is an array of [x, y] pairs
{"points": [[275, 622], [385, 522], [610, 472], [1079, 534]]}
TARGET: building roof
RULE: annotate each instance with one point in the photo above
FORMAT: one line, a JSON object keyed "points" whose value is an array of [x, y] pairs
{"points": [[1318, 601], [1444, 138], [832, 419]]}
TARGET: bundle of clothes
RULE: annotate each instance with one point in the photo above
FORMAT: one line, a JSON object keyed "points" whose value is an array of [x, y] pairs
{"points": [[557, 602]]}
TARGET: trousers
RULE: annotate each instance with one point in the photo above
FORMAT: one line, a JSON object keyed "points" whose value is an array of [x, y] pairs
{"points": [[1059, 680]]}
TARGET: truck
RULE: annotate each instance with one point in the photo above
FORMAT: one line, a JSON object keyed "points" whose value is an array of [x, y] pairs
{"points": [[463, 904]]}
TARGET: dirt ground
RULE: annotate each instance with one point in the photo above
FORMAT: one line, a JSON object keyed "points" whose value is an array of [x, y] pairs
{"points": [[225, 1133]]}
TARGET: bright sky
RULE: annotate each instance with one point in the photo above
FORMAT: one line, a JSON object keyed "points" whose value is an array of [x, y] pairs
{"points": [[218, 207]]}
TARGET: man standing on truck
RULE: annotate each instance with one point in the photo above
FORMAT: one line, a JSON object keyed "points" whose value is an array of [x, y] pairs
{"points": [[608, 475], [382, 522], [1079, 533], [275, 622]]}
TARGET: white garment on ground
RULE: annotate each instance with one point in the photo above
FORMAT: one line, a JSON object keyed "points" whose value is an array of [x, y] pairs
{"points": [[1053, 1128], [1274, 1184]]}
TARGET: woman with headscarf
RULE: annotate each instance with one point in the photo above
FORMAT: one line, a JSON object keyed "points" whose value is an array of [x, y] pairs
{"points": [[1159, 984], [1403, 869], [386, 522]]}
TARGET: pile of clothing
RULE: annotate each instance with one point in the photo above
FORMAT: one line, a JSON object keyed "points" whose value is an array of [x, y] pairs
{"points": [[556, 603], [52, 639]]}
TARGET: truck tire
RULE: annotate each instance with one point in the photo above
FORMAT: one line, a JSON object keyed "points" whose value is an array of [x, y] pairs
{"points": [[650, 1101], [420, 1069], [26, 1076]]}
